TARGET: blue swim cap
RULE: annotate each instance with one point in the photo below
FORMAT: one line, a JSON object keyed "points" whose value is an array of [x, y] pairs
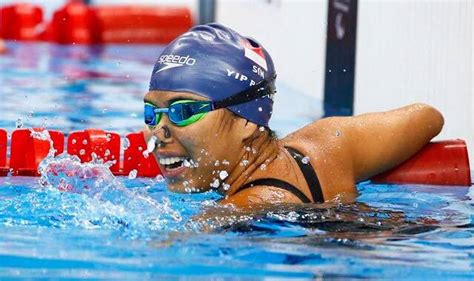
{"points": [[216, 62]]}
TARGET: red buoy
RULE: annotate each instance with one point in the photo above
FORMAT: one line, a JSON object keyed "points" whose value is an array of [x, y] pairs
{"points": [[136, 157], [28, 151], [438, 163], [73, 23], [3, 152], [21, 22], [83, 24], [141, 24], [104, 145]]}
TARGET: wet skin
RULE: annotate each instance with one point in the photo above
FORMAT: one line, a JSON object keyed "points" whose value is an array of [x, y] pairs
{"points": [[343, 151]]}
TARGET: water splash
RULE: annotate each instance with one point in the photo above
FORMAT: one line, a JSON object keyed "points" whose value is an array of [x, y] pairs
{"points": [[92, 196]]}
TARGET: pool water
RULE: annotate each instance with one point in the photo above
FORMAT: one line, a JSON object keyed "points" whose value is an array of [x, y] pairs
{"points": [[131, 228]]}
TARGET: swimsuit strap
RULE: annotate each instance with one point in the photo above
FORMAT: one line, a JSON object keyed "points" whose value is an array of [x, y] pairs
{"points": [[309, 174], [280, 184]]}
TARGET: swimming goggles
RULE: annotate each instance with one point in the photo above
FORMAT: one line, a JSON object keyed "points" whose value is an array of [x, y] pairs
{"points": [[185, 112]]}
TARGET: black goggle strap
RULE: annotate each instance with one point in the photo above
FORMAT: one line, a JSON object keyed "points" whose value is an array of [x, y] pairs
{"points": [[258, 90]]}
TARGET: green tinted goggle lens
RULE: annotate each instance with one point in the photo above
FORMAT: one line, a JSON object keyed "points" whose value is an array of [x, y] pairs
{"points": [[180, 113]]}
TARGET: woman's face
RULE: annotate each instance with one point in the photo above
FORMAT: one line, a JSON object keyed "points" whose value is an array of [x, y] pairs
{"points": [[207, 150]]}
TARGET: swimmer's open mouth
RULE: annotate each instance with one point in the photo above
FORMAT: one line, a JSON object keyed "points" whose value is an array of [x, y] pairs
{"points": [[171, 163]]}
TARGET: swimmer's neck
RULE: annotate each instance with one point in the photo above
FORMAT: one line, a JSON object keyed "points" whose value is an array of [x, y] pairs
{"points": [[254, 157]]}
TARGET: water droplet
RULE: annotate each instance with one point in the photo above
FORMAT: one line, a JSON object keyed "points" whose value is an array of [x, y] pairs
{"points": [[74, 141], [217, 163], [261, 128], [82, 152], [226, 186], [245, 162], [94, 156], [146, 154], [223, 175], [305, 160], [151, 144], [225, 162], [260, 109], [133, 174], [107, 153], [19, 123], [215, 183], [263, 167], [338, 133], [160, 178], [125, 143], [84, 142]]}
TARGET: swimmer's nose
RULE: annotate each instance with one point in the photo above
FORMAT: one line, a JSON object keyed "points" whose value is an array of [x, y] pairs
{"points": [[163, 133]]}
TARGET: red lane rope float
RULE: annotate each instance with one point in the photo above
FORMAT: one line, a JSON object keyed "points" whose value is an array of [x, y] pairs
{"points": [[79, 23], [27, 151], [21, 22], [136, 159], [438, 163], [73, 23], [141, 24], [105, 146], [3, 153]]}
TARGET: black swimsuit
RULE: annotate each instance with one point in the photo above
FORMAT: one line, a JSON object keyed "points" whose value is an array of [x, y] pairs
{"points": [[309, 175]]}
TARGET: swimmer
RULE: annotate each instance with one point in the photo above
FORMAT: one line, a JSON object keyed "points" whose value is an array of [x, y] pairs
{"points": [[209, 103]]}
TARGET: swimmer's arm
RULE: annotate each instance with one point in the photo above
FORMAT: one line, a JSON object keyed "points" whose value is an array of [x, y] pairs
{"points": [[377, 142]]}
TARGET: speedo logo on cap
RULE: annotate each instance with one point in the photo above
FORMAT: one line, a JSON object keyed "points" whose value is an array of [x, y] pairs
{"points": [[173, 61]]}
